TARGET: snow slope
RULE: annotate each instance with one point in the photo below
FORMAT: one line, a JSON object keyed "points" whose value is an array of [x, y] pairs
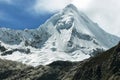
{"points": [[68, 35]]}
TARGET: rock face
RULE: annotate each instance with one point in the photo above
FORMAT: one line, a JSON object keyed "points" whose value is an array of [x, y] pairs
{"points": [[104, 66], [67, 35]]}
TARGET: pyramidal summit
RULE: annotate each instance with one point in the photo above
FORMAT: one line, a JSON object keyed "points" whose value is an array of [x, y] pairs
{"points": [[69, 35]]}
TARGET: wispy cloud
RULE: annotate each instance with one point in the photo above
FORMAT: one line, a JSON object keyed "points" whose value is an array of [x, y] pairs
{"points": [[5, 17], [7, 1], [41, 6], [106, 13], [82, 4]]}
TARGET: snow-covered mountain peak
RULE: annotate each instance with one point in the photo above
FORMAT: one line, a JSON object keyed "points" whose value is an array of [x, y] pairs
{"points": [[71, 7], [68, 35]]}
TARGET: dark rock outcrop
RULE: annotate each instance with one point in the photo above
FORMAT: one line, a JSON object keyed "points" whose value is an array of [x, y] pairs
{"points": [[2, 48], [26, 51]]}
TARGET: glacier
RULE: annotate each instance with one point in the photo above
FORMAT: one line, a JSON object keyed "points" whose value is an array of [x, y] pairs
{"points": [[69, 35]]}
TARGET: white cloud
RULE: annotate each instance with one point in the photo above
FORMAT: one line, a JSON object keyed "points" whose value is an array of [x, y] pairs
{"points": [[50, 5], [104, 12], [82, 4]]}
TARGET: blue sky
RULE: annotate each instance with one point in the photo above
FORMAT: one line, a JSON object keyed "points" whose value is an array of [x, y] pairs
{"points": [[18, 14]]}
